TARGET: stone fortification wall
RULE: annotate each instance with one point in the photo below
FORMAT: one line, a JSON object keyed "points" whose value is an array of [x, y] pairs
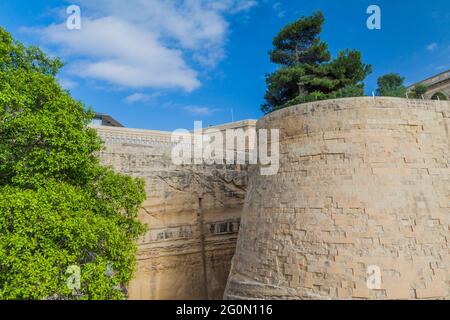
{"points": [[363, 185], [192, 212]]}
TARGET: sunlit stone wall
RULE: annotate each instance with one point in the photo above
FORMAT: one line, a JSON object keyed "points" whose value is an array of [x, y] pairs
{"points": [[192, 212], [364, 184]]}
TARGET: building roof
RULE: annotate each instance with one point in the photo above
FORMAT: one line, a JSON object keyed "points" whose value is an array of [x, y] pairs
{"points": [[433, 80], [107, 120]]}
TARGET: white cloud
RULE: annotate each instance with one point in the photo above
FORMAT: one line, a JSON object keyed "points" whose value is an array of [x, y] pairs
{"points": [[244, 6], [278, 9], [139, 97], [146, 44], [432, 46], [116, 51], [200, 111], [67, 84]]}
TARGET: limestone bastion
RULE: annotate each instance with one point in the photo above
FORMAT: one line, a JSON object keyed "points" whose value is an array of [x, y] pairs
{"points": [[363, 183]]}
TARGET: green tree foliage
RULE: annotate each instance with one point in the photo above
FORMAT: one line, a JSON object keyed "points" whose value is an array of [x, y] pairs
{"points": [[391, 85], [299, 43], [306, 72], [418, 91], [58, 205]]}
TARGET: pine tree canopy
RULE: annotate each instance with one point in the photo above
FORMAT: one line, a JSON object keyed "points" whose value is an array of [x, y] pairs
{"points": [[306, 72]]}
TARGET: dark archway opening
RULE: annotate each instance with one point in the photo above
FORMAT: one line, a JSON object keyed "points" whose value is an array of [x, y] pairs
{"points": [[439, 96]]}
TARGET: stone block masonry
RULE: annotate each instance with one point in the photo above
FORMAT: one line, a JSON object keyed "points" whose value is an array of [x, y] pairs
{"points": [[192, 212], [363, 182]]}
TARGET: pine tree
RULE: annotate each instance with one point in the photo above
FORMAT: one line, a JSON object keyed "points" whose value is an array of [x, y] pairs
{"points": [[306, 72]]}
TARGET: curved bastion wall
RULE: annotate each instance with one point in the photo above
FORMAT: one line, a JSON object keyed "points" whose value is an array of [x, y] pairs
{"points": [[359, 209]]}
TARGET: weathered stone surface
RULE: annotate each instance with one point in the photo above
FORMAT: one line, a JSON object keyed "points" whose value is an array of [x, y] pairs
{"points": [[192, 212], [362, 182]]}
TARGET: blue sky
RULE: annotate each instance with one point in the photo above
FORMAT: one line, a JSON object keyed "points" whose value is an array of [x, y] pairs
{"points": [[160, 64]]}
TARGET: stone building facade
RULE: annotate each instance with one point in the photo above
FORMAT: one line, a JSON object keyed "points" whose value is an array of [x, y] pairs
{"points": [[438, 84], [360, 208], [192, 213]]}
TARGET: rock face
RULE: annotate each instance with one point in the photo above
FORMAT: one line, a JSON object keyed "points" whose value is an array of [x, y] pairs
{"points": [[359, 209], [192, 212]]}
